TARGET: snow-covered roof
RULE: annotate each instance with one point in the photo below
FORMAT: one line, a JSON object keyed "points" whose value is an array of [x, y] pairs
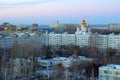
{"points": [[110, 66]]}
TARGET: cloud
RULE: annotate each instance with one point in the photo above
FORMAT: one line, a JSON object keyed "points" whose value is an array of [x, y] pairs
{"points": [[14, 3]]}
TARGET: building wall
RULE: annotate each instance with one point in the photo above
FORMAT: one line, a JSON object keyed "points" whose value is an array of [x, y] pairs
{"points": [[82, 40], [114, 27], [102, 42], [114, 42], [54, 39], [68, 39]]}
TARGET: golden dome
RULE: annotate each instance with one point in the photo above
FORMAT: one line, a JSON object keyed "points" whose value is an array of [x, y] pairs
{"points": [[83, 23]]}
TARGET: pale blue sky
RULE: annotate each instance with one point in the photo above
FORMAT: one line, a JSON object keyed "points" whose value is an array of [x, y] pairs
{"points": [[66, 11]]}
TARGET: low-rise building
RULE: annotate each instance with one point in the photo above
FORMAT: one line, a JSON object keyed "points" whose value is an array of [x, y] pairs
{"points": [[109, 72]]}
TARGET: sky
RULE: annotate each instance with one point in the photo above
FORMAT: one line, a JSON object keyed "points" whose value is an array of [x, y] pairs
{"points": [[65, 11]]}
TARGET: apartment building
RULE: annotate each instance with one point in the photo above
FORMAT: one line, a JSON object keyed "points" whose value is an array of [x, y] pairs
{"points": [[83, 37], [114, 41]]}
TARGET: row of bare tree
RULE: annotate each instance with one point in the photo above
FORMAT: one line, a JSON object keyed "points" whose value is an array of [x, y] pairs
{"points": [[33, 49]]}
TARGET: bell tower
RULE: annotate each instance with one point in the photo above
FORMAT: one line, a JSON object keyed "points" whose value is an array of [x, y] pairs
{"points": [[83, 27]]}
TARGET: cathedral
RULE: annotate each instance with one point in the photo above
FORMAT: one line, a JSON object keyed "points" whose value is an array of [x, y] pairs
{"points": [[83, 29]]}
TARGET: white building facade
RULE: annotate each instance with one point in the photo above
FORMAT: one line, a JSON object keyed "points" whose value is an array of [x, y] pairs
{"points": [[114, 41], [83, 37]]}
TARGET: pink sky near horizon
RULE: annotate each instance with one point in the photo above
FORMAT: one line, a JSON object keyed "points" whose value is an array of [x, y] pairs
{"points": [[63, 9]]}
